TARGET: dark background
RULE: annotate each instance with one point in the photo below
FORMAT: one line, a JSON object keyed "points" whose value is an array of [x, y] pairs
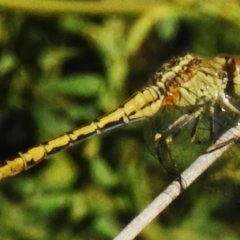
{"points": [[64, 63]]}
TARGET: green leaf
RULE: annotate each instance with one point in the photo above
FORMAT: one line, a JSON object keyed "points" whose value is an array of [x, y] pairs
{"points": [[78, 85]]}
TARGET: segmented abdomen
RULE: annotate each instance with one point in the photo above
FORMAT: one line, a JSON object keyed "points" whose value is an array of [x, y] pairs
{"points": [[184, 82]]}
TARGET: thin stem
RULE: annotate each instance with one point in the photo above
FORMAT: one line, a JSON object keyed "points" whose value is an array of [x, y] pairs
{"points": [[174, 189]]}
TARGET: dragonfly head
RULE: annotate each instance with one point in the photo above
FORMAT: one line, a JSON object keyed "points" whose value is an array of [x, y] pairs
{"points": [[231, 65]]}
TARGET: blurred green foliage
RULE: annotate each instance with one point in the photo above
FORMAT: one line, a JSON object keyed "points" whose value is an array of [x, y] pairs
{"points": [[64, 63]]}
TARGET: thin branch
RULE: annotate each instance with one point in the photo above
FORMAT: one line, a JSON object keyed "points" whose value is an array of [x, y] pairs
{"points": [[85, 7], [174, 189], [213, 8]]}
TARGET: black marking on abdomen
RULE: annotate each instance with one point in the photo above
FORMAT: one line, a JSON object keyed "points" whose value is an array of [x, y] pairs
{"points": [[113, 124], [81, 137]]}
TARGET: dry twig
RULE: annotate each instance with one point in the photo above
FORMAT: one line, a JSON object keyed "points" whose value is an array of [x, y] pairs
{"points": [[174, 189]]}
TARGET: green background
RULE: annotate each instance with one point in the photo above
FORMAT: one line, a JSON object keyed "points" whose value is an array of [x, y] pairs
{"points": [[65, 63]]}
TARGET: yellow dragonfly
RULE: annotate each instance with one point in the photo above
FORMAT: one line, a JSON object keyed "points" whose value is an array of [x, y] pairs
{"points": [[186, 82]]}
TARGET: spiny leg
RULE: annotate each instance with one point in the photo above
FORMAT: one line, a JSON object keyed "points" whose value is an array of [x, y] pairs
{"points": [[177, 126], [211, 128], [218, 145], [164, 138], [225, 104]]}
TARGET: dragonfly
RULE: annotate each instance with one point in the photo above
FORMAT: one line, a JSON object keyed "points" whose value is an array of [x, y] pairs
{"points": [[188, 82]]}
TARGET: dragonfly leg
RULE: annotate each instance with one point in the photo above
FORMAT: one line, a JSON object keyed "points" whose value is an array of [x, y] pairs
{"points": [[212, 130], [219, 145], [175, 128], [164, 155], [164, 138], [224, 101]]}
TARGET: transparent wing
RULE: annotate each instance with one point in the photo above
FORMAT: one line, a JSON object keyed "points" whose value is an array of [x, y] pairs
{"points": [[187, 135]]}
